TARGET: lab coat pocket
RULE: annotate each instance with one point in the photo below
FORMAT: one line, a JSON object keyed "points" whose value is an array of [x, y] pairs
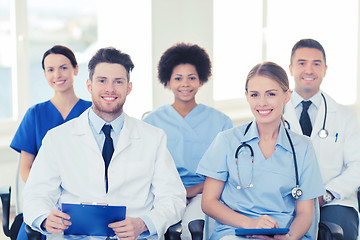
{"points": [[329, 155]]}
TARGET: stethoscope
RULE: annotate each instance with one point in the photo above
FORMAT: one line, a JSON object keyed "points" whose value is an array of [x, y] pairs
{"points": [[296, 192], [323, 133]]}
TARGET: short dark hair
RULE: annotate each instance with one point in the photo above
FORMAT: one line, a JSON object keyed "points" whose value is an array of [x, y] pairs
{"points": [[270, 70], [184, 53], [307, 43], [110, 55], [59, 49]]}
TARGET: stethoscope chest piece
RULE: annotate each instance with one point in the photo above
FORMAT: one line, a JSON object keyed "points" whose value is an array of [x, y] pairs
{"points": [[296, 192], [323, 133]]}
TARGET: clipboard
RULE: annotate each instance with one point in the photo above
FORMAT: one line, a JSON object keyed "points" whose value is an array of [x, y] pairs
{"points": [[261, 231], [92, 219]]}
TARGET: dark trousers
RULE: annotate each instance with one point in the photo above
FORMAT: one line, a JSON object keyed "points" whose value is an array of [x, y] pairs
{"points": [[345, 217]]}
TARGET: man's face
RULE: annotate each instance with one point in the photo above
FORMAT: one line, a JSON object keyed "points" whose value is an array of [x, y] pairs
{"points": [[109, 87], [308, 69]]}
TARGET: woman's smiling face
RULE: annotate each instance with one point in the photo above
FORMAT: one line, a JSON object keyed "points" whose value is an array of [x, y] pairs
{"points": [[266, 99]]}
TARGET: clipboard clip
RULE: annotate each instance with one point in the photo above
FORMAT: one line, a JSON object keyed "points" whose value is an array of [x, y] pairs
{"points": [[94, 203]]}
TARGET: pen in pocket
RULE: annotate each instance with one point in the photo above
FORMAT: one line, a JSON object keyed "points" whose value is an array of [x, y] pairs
{"points": [[336, 137]]}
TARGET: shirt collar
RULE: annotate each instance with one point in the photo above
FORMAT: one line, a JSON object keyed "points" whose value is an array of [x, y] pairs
{"points": [[282, 139], [296, 99], [97, 122]]}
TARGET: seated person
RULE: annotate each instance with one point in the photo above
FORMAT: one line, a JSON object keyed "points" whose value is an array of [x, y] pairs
{"points": [[190, 127], [335, 134], [60, 68], [105, 156], [251, 170]]}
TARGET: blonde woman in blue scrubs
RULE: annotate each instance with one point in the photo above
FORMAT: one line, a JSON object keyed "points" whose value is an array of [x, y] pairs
{"points": [[258, 194]]}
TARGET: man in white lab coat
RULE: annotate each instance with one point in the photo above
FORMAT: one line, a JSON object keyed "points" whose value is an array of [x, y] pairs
{"points": [[337, 148], [139, 174]]}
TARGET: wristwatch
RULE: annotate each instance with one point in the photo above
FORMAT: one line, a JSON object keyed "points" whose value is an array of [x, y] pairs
{"points": [[327, 197]]}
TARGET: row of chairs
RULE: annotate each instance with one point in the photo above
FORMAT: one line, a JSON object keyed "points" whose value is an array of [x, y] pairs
{"points": [[327, 230]]}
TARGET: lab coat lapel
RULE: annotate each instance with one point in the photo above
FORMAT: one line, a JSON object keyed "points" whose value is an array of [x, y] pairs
{"points": [[83, 130], [128, 132], [290, 116], [319, 120]]}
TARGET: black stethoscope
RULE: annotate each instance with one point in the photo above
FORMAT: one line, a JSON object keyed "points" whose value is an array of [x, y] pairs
{"points": [[296, 192], [323, 133]]}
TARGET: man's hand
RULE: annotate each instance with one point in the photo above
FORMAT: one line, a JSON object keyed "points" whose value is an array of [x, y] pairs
{"points": [[130, 228], [55, 222]]}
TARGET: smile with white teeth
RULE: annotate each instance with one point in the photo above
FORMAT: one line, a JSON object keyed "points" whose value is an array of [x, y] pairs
{"points": [[264, 112], [59, 82], [309, 79], [109, 98], [185, 91]]}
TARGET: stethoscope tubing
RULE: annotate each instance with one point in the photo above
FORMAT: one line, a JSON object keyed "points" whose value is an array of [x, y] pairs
{"points": [[323, 129], [244, 144]]}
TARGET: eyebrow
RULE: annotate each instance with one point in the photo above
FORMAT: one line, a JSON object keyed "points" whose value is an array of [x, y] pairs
{"points": [[178, 74], [306, 60], [102, 77], [270, 90], [59, 66]]}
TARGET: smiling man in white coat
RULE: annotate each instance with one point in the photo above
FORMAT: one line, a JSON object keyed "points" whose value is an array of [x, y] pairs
{"points": [[75, 165], [335, 134]]}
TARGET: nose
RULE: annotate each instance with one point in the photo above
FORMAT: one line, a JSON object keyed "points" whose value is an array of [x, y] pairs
{"points": [[57, 73], [185, 82], [308, 68], [109, 86], [262, 101]]}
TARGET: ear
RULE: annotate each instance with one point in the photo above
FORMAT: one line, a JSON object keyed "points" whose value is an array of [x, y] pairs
{"points": [[247, 96], [325, 71], [88, 85], [168, 85], [290, 69], [76, 70], [287, 96], [129, 88]]}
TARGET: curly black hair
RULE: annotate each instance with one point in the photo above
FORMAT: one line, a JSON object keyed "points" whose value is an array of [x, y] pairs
{"points": [[184, 53]]}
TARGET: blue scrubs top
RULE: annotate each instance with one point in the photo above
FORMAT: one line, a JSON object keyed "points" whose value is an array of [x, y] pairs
{"points": [[189, 137], [273, 178], [39, 119]]}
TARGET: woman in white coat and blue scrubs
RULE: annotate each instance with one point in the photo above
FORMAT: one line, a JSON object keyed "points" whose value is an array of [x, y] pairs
{"points": [[259, 175]]}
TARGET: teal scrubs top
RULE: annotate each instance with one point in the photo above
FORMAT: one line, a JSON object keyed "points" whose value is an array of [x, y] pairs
{"points": [[189, 137]]}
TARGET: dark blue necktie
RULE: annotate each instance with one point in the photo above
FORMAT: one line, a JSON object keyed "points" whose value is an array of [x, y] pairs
{"points": [[305, 122], [108, 150]]}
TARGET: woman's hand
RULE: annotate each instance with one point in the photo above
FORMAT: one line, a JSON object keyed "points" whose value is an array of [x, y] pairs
{"points": [[264, 221], [276, 237]]}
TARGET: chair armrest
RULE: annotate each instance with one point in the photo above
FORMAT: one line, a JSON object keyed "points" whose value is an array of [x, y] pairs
{"points": [[196, 228], [174, 232], [330, 231], [32, 234], [5, 194], [358, 197]]}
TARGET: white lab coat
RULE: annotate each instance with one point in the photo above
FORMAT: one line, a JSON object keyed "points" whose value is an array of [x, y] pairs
{"points": [[142, 175], [338, 154]]}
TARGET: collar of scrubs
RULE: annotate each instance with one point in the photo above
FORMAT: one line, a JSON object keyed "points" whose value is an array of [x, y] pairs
{"points": [[97, 122], [253, 134], [194, 112], [296, 100]]}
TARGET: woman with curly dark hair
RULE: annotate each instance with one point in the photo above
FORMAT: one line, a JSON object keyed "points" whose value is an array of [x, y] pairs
{"points": [[190, 127]]}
